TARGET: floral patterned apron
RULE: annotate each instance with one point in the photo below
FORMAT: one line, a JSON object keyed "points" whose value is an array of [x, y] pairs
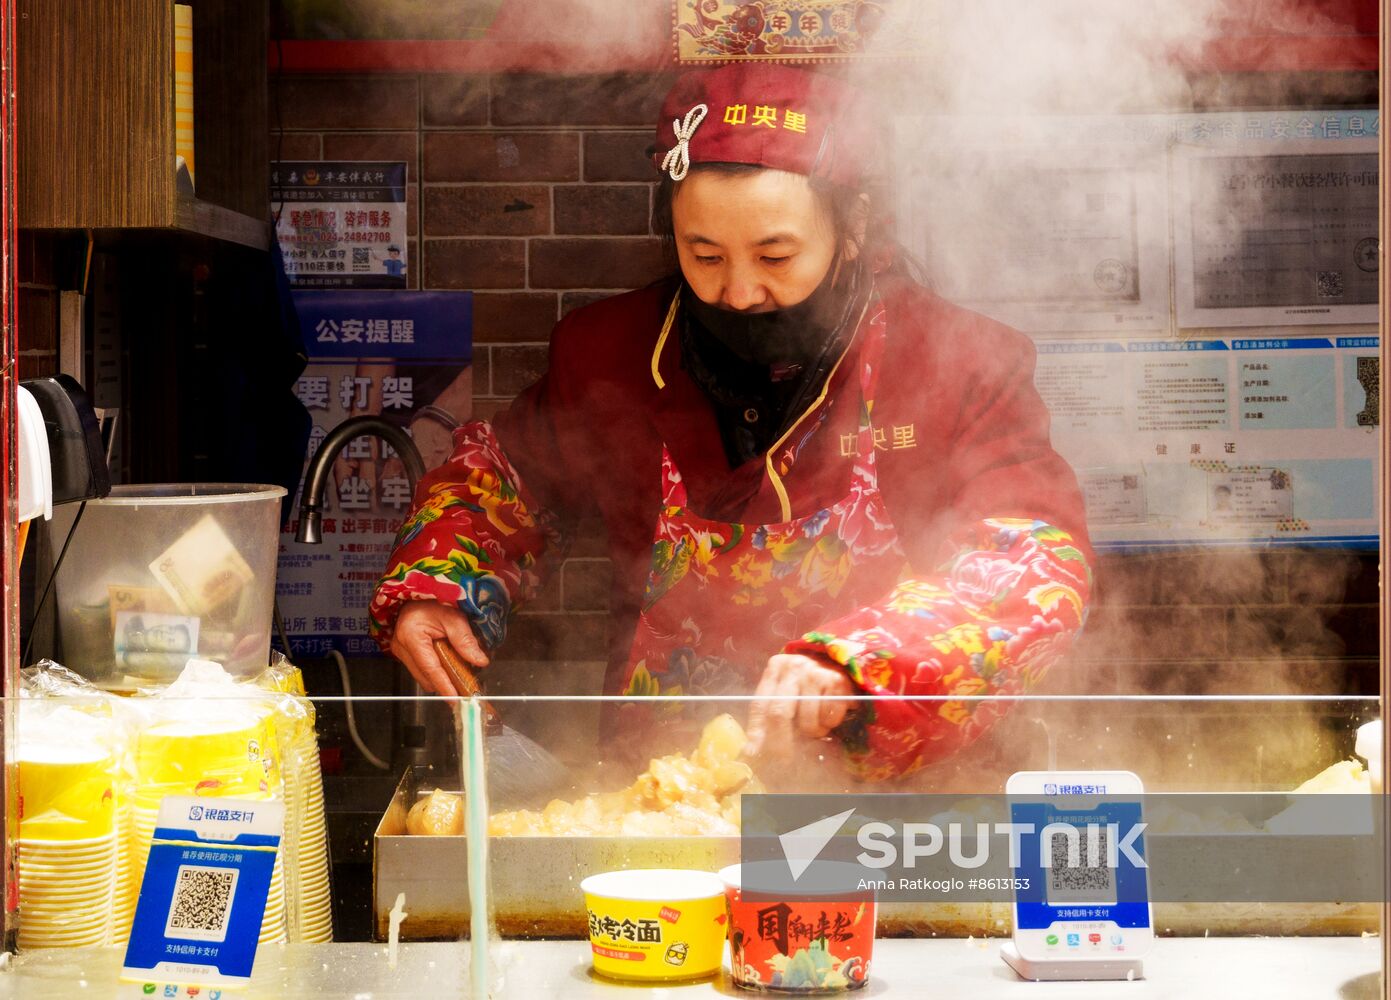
{"points": [[721, 598]]}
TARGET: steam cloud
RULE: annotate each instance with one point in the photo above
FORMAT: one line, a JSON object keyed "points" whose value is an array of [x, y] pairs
{"points": [[1244, 623], [1027, 62]]}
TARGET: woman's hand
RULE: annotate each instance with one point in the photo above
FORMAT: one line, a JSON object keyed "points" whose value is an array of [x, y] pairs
{"points": [[433, 440], [418, 625], [775, 721]]}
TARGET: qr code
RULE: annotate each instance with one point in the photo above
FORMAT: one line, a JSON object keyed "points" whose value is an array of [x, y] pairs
{"points": [[202, 902], [1330, 284], [1087, 881], [1369, 377], [360, 257]]}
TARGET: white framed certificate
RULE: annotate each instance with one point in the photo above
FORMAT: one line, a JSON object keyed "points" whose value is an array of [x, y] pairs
{"points": [[1275, 234], [1044, 237]]}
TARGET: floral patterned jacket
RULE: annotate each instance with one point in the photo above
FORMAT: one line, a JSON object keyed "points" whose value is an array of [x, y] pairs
{"points": [[989, 516]]}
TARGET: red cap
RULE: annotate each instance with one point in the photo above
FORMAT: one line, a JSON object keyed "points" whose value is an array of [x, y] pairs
{"points": [[768, 115]]}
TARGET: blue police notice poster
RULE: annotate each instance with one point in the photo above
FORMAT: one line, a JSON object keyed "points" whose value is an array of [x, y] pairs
{"points": [[405, 357]]}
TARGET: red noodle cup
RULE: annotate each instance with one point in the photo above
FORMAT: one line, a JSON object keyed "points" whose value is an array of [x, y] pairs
{"points": [[789, 942]]}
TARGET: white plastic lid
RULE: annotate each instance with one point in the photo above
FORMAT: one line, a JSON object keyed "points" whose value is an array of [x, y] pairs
{"points": [[54, 753], [660, 885], [35, 463]]}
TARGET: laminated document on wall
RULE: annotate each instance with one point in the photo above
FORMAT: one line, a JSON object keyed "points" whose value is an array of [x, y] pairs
{"points": [[341, 224], [1276, 234], [1090, 255], [1220, 441], [1202, 290]]}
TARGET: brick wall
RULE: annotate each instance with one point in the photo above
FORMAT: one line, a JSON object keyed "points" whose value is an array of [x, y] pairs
{"points": [[533, 192]]}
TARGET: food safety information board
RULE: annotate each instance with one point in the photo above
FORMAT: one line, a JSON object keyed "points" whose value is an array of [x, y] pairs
{"points": [[1202, 291], [1219, 440], [394, 355]]}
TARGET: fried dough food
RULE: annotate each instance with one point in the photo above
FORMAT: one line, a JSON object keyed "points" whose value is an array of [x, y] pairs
{"points": [[439, 814], [676, 796]]}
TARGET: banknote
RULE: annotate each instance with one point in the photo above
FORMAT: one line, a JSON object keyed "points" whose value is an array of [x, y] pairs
{"points": [[144, 639], [203, 569], [130, 598]]}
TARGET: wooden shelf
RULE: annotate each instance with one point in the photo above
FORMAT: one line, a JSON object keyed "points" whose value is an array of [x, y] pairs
{"points": [[203, 218], [96, 118]]}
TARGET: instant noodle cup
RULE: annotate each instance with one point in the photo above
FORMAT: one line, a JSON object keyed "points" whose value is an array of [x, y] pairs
{"points": [[656, 924], [791, 941]]}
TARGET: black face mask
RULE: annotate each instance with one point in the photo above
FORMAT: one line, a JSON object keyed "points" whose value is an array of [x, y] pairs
{"points": [[796, 335]]}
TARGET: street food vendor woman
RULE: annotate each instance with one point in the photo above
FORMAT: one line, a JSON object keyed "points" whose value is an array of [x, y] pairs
{"points": [[813, 476]]}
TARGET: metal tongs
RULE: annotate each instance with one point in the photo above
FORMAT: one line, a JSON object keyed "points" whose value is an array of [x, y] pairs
{"points": [[520, 770]]}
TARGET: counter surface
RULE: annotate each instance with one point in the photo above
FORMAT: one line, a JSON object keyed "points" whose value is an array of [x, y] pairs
{"points": [[1269, 968]]}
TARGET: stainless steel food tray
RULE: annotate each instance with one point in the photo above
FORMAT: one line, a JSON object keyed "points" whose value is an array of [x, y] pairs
{"points": [[536, 888]]}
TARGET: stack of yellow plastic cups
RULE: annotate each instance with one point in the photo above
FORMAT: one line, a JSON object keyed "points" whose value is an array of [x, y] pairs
{"points": [[306, 833], [67, 844], [314, 909], [227, 751], [127, 889]]}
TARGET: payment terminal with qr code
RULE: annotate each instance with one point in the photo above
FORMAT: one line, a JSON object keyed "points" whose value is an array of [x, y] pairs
{"points": [[210, 886], [1081, 902]]}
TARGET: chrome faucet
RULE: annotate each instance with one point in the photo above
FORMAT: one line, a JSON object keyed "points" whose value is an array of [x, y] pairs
{"points": [[311, 501], [419, 739]]}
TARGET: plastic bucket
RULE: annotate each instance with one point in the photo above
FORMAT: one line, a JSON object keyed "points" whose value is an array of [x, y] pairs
{"points": [[159, 573]]}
